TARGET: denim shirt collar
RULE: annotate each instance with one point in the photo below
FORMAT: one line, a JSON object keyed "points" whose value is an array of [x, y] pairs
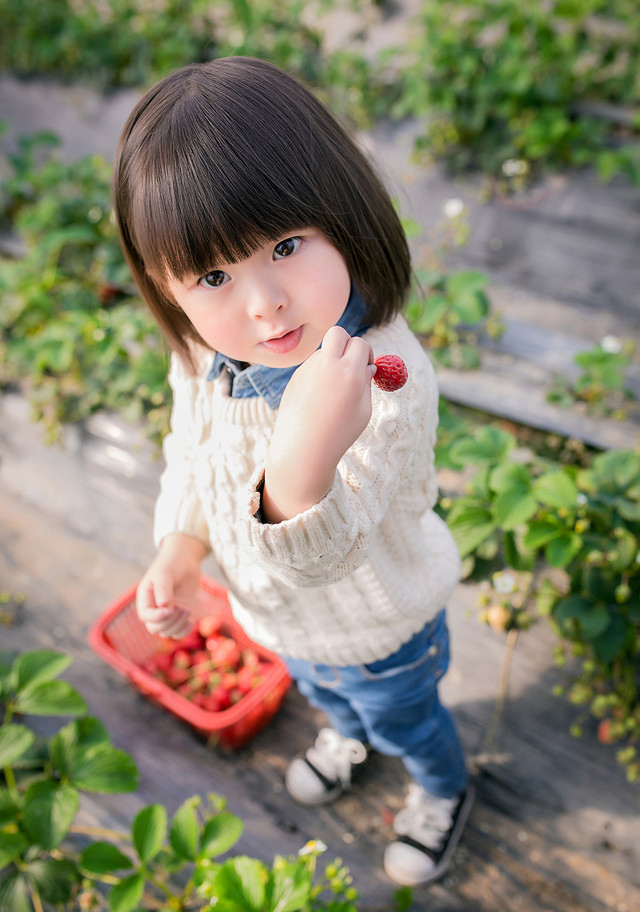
{"points": [[270, 382]]}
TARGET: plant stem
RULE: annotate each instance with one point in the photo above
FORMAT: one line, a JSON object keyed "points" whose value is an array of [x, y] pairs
{"points": [[35, 899], [490, 730], [98, 831]]}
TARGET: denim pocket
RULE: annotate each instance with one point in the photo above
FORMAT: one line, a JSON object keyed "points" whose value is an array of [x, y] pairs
{"points": [[427, 650]]}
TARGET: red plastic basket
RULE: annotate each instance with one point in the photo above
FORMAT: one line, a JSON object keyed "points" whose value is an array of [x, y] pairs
{"points": [[121, 639]]}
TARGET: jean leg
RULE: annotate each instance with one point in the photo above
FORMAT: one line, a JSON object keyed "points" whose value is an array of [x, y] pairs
{"points": [[319, 684], [400, 708]]}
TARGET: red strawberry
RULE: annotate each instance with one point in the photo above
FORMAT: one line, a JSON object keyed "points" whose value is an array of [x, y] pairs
{"points": [[209, 625], [182, 658], [391, 373], [226, 653], [177, 675], [250, 657], [220, 699], [247, 679], [191, 641]]}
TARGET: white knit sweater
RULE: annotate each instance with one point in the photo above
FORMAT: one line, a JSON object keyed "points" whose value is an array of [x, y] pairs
{"points": [[354, 577]]}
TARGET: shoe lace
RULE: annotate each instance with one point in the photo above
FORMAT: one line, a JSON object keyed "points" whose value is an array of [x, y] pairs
{"points": [[334, 755], [425, 817]]}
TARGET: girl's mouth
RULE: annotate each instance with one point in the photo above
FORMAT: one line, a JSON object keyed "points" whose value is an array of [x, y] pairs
{"points": [[282, 345]]}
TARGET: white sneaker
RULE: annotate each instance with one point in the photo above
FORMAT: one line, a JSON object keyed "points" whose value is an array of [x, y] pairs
{"points": [[428, 829], [325, 770]]}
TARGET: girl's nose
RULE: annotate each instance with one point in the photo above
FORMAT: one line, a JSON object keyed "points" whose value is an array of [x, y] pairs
{"points": [[265, 299]]}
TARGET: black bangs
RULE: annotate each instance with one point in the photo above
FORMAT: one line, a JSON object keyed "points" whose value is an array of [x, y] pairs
{"points": [[215, 187]]}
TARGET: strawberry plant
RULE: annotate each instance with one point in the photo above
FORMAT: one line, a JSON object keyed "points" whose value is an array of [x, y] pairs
{"points": [[73, 333], [449, 310], [501, 85], [601, 383], [48, 860], [577, 530], [42, 780]]}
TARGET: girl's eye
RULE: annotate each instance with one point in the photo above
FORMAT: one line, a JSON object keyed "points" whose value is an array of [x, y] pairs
{"points": [[213, 279], [287, 247]]}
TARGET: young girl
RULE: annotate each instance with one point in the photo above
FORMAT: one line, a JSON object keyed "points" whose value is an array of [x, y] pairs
{"points": [[273, 259]]}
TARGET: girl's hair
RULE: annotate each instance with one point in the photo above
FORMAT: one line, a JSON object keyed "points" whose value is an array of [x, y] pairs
{"points": [[220, 158]]}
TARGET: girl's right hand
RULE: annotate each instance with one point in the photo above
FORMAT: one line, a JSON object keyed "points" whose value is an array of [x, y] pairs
{"points": [[167, 592], [324, 409]]}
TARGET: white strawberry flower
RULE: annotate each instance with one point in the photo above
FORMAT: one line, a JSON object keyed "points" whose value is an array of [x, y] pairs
{"points": [[453, 207], [504, 583], [514, 167], [611, 344], [313, 847]]}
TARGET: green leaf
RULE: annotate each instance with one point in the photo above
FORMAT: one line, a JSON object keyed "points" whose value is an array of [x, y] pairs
{"points": [[424, 316], [611, 641], [82, 752], [54, 878], [12, 844], [626, 547], [556, 489], [39, 666], [15, 740], [403, 899], [616, 469], [74, 737], [185, 830], [50, 698], [49, 810], [14, 893], [126, 895], [513, 507], [516, 554], [464, 289], [220, 834], [464, 357], [149, 830], [593, 619], [241, 881], [289, 888], [540, 533], [509, 475], [628, 509], [10, 806], [471, 525], [489, 446], [103, 857], [561, 551]]}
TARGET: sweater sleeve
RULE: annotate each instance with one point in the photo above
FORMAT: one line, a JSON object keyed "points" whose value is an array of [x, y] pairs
{"points": [[178, 507], [332, 538]]}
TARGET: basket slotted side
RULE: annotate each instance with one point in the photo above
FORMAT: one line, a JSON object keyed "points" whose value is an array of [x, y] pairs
{"points": [[119, 638]]}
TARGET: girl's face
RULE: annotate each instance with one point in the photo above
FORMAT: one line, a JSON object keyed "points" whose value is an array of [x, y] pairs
{"points": [[272, 308]]}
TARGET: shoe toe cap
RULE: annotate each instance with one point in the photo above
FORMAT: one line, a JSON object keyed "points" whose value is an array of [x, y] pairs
{"points": [[407, 865], [303, 785]]}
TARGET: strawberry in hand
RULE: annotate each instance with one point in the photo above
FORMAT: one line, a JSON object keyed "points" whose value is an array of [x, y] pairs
{"points": [[391, 373]]}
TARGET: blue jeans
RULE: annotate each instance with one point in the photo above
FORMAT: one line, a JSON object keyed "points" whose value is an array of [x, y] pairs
{"points": [[393, 705]]}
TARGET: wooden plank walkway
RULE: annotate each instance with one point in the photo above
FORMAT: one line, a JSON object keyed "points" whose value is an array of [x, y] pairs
{"points": [[555, 826], [563, 272]]}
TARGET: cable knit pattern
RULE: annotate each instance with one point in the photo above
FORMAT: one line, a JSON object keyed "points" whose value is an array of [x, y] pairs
{"points": [[349, 580]]}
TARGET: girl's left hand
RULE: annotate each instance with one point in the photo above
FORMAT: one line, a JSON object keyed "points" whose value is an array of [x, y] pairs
{"points": [[324, 409]]}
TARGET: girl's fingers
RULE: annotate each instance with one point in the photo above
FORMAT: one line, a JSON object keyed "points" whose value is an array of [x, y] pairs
{"points": [[335, 341], [338, 343], [175, 627]]}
